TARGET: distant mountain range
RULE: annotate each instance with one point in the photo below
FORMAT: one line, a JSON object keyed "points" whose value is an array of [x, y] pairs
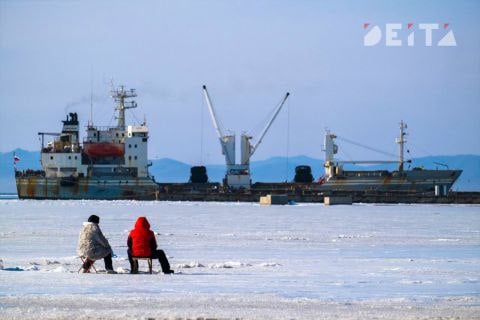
{"points": [[275, 169]]}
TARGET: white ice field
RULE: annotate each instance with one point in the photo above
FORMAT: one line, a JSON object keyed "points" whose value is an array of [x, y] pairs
{"points": [[240, 260]]}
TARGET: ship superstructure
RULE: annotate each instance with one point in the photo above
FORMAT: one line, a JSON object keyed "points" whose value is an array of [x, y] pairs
{"points": [[110, 163], [417, 180]]}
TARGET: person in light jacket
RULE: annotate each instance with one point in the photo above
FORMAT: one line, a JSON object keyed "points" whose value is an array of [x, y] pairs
{"points": [[142, 243], [92, 245]]}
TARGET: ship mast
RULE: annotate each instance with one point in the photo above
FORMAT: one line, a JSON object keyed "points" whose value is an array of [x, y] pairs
{"points": [[401, 142], [119, 95]]}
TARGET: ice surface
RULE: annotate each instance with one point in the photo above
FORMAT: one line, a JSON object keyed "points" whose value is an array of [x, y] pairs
{"points": [[241, 260]]}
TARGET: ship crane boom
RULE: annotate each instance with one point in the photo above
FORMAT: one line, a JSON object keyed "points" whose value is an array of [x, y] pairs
{"points": [[212, 113], [227, 142], [269, 123]]}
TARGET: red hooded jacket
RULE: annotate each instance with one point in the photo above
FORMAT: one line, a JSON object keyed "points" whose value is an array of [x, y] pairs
{"points": [[141, 240]]}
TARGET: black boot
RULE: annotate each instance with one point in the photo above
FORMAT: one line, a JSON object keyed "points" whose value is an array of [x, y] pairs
{"points": [[134, 267], [108, 263], [133, 264]]}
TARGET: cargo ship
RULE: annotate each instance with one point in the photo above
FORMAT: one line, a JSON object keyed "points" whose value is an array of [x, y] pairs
{"points": [[416, 185], [416, 180], [110, 163]]}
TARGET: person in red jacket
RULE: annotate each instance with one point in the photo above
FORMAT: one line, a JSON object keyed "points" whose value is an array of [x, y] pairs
{"points": [[142, 243]]}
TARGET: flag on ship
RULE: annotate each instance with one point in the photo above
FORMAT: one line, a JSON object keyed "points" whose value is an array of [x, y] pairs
{"points": [[15, 160]]}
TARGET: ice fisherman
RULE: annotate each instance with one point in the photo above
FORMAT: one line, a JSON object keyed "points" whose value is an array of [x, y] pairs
{"points": [[142, 243], [92, 245]]}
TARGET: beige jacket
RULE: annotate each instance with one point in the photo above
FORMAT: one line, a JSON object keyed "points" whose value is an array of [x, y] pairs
{"points": [[92, 243]]}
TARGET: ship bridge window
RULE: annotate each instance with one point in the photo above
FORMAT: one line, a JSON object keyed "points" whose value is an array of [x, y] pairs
{"points": [[135, 146], [51, 158], [75, 157], [129, 145], [123, 134], [69, 157], [94, 134], [135, 157], [129, 157], [116, 134]]}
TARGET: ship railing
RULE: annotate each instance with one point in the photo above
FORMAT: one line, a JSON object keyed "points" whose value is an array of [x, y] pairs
{"points": [[105, 128], [64, 150], [110, 139], [29, 173]]}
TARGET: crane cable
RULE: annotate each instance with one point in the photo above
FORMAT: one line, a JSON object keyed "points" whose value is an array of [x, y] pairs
{"points": [[261, 124], [201, 134], [288, 140], [367, 147]]}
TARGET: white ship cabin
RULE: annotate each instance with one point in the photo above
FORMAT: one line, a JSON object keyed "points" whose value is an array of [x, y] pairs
{"points": [[136, 152], [62, 156], [106, 152]]}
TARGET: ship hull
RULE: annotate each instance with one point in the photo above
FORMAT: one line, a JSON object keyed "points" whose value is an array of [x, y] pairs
{"points": [[421, 182], [87, 188], [416, 181]]}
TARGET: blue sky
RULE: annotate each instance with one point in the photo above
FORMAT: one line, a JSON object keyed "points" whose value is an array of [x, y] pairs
{"points": [[248, 53]]}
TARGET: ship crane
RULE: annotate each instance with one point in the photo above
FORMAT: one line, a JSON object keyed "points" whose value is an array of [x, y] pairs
{"points": [[238, 175], [334, 167]]}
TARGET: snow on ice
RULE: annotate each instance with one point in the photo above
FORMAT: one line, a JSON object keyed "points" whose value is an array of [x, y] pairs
{"points": [[241, 260]]}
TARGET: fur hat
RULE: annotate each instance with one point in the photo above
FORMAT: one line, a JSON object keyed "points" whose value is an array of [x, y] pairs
{"points": [[93, 218]]}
